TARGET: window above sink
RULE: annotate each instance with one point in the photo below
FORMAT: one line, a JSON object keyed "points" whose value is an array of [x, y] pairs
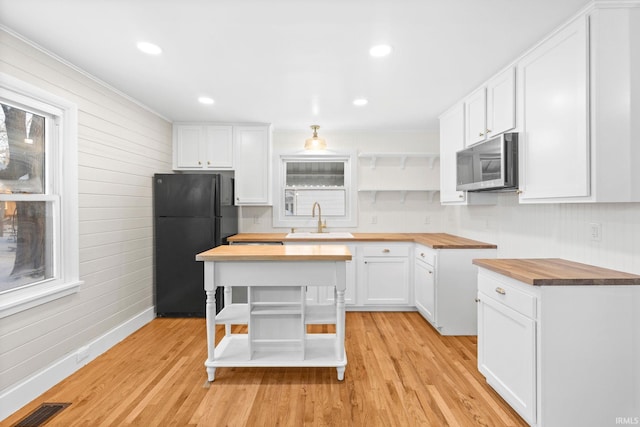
{"points": [[303, 179]]}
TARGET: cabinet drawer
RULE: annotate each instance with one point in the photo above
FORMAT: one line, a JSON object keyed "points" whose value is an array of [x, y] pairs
{"points": [[385, 250], [508, 295], [425, 254]]}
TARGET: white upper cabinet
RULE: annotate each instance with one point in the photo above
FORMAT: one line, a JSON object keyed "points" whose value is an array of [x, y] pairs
{"points": [[554, 143], [490, 110], [201, 146], [575, 104], [501, 103], [579, 111], [252, 159], [476, 116], [452, 127], [451, 140]]}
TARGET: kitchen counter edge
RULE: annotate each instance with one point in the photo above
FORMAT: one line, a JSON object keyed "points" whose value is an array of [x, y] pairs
{"points": [[556, 272], [432, 240]]}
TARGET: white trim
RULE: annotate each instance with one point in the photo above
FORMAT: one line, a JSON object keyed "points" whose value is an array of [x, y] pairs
{"points": [[34, 295], [20, 394]]}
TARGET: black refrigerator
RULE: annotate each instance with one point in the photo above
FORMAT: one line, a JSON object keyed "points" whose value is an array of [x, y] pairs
{"points": [[192, 213]]}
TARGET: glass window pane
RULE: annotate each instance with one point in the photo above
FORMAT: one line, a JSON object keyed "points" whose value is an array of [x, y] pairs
{"points": [[26, 243], [315, 174], [22, 144]]}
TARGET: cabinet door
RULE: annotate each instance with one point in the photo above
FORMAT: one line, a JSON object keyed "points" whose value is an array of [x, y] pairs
{"points": [[425, 291], [386, 281], [451, 140], [507, 354], [252, 151], [554, 143], [501, 103], [475, 116], [188, 140], [218, 147]]}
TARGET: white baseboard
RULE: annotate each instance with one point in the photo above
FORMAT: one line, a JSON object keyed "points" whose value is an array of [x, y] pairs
{"points": [[22, 393]]}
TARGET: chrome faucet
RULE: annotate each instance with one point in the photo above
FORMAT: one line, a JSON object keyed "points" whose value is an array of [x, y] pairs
{"points": [[313, 215]]}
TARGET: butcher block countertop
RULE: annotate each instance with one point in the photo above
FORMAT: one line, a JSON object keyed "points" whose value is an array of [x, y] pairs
{"points": [[433, 240], [276, 253], [556, 272]]}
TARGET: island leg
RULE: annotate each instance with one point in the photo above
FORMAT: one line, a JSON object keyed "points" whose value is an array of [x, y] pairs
{"points": [[211, 374], [211, 332], [340, 312], [340, 370]]}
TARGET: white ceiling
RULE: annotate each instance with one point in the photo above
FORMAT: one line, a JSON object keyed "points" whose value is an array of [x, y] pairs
{"points": [[292, 63]]}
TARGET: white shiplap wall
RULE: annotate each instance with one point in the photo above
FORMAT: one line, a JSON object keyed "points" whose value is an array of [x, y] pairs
{"points": [[554, 230], [120, 146]]}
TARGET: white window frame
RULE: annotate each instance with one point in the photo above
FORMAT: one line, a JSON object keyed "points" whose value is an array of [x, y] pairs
{"points": [[350, 218], [63, 150]]}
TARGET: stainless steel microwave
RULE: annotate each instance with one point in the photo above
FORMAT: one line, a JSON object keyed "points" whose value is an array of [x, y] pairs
{"points": [[491, 165]]}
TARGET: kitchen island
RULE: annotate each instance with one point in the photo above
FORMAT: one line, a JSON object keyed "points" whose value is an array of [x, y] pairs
{"points": [[276, 311]]}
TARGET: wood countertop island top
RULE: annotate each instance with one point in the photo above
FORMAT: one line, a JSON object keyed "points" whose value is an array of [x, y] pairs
{"points": [[433, 240], [556, 272], [276, 253]]}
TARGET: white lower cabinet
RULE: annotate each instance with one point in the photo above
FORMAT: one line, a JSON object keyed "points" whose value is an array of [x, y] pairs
{"points": [[507, 347], [445, 287], [384, 275], [561, 355], [424, 281]]}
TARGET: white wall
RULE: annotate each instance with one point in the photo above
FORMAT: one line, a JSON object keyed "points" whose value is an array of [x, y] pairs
{"points": [[388, 212], [554, 230], [120, 146]]}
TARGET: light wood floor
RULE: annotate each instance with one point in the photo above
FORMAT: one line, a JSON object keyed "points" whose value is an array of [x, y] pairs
{"points": [[400, 372]]}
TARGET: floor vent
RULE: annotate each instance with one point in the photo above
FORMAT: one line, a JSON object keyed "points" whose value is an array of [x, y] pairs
{"points": [[41, 415]]}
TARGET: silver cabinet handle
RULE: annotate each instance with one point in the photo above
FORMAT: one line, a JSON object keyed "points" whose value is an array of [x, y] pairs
{"points": [[477, 299], [500, 291], [385, 251], [422, 254], [430, 272]]}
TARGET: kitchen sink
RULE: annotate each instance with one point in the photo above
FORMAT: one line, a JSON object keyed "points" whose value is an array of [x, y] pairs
{"points": [[327, 235]]}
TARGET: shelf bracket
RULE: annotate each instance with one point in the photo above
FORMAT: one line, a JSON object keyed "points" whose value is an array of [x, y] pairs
{"points": [[430, 195], [432, 160], [374, 194], [374, 160]]}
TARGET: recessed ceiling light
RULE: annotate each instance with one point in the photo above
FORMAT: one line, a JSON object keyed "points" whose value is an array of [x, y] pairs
{"points": [[149, 48], [205, 100], [380, 50], [360, 102]]}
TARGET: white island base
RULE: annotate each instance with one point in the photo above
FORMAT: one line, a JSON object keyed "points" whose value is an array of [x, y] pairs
{"points": [[276, 312]]}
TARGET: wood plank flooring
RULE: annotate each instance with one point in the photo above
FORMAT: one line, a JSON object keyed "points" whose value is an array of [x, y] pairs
{"points": [[400, 372]]}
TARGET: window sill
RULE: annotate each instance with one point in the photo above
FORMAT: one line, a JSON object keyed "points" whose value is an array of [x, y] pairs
{"points": [[23, 299]]}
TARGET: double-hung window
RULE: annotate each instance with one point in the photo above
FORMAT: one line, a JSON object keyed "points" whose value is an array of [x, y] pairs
{"points": [[38, 197]]}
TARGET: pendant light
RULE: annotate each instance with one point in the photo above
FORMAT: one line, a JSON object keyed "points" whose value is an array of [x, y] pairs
{"points": [[315, 143]]}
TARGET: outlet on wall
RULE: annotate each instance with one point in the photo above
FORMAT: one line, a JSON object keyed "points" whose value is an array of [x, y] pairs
{"points": [[427, 219], [595, 232], [83, 353], [374, 219]]}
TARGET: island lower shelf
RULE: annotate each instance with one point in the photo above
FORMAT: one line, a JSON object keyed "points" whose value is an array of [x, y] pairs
{"points": [[320, 350]]}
